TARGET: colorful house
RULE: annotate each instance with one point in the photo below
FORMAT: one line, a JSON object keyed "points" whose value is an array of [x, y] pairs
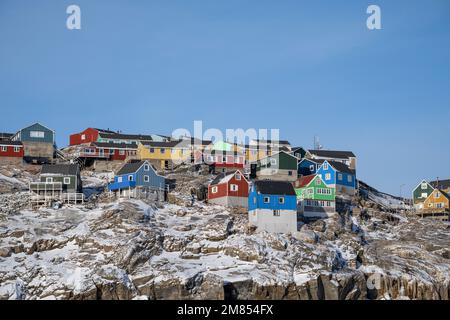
{"points": [[223, 161], [281, 166], [107, 136], [436, 205], [339, 176], [11, 152], [298, 152], [420, 193], [137, 178], [165, 155], [307, 167], [443, 185], [314, 197], [38, 143], [229, 189], [272, 206], [346, 157]]}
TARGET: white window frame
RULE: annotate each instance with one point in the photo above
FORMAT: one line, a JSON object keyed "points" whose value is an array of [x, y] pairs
{"points": [[281, 200], [130, 177], [424, 186], [268, 199], [349, 178], [83, 137], [437, 194], [146, 178], [49, 180], [234, 187], [119, 179], [16, 149], [238, 176], [214, 189], [424, 195], [340, 176], [37, 134], [4, 148], [273, 162], [146, 167], [66, 180], [311, 168], [325, 166], [327, 176]]}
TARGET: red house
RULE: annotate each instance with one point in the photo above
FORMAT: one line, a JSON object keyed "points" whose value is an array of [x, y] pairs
{"points": [[108, 151], [11, 151], [229, 189], [87, 136], [221, 161]]}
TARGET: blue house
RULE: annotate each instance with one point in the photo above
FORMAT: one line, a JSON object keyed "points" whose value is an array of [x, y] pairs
{"points": [[135, 178], [338, 175], [308, 167], [272, 206]]}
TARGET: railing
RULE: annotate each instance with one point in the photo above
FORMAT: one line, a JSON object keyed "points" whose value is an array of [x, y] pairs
{"points": [[45, 186]]}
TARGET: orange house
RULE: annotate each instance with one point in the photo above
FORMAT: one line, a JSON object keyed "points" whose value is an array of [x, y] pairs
{"points": [[437, 204]]}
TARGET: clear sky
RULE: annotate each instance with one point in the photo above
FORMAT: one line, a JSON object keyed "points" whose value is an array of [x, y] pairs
{"points": [[305, 67]]}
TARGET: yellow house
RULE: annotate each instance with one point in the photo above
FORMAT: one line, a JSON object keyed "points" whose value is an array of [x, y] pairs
{"points": [[165, 155], [436, 205], [254, 153]]}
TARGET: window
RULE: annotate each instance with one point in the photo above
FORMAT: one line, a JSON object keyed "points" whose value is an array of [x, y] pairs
{"points": [[424, 186], [276, 213], [16, 149], [254, 200], [273, 162], [146, 179], [37, 134], [146, 167], [122, 152], [317, 182], [66, 180], [424, 195], [224, 159], [349, 179], [4, 149], [439, 205], [311, 168], [266, 200], [436, 194], [214, 190], [163, 150], [339, 176], [152, 150], [234, 187], [119, 179], [328, 176], [130, 178], [48, 180], [325, 166], [281, 200], [289, 173], [238, 176], [83, 137]]}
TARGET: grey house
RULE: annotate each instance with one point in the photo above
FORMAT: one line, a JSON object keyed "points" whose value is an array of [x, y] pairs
{"points": [[57, 182], [38, 142]]}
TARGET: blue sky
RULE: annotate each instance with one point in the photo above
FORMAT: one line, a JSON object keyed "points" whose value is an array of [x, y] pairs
{"points": [[305, 67]]}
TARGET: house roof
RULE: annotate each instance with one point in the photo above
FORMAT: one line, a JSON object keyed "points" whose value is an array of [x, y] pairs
{"points": [[63, 169], [274, 187], [445, 194], [441, 184], [10, 143], [164, 144], [131, 167], [332, 154], [5, 136], [304, 180], [112, 145], [116, 135], [222, 178], [272, 141], [341, 167], [103, 130]]}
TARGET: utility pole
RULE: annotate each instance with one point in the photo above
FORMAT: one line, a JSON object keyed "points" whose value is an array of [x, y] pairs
{"points": [[401, 186]]}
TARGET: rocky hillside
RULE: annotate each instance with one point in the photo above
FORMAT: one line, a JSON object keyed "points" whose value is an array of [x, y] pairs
{"points": [[141, 250]]}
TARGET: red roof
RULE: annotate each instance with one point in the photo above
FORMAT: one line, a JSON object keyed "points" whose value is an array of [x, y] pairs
{"points": [[304, 181]]}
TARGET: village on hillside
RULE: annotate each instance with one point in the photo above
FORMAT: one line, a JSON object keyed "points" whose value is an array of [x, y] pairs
{"points": [[275, 183]]}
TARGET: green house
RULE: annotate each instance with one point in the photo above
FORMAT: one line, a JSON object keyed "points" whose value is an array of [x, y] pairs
{"points": [[314, 197], [281, 166], [421, 193]]}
